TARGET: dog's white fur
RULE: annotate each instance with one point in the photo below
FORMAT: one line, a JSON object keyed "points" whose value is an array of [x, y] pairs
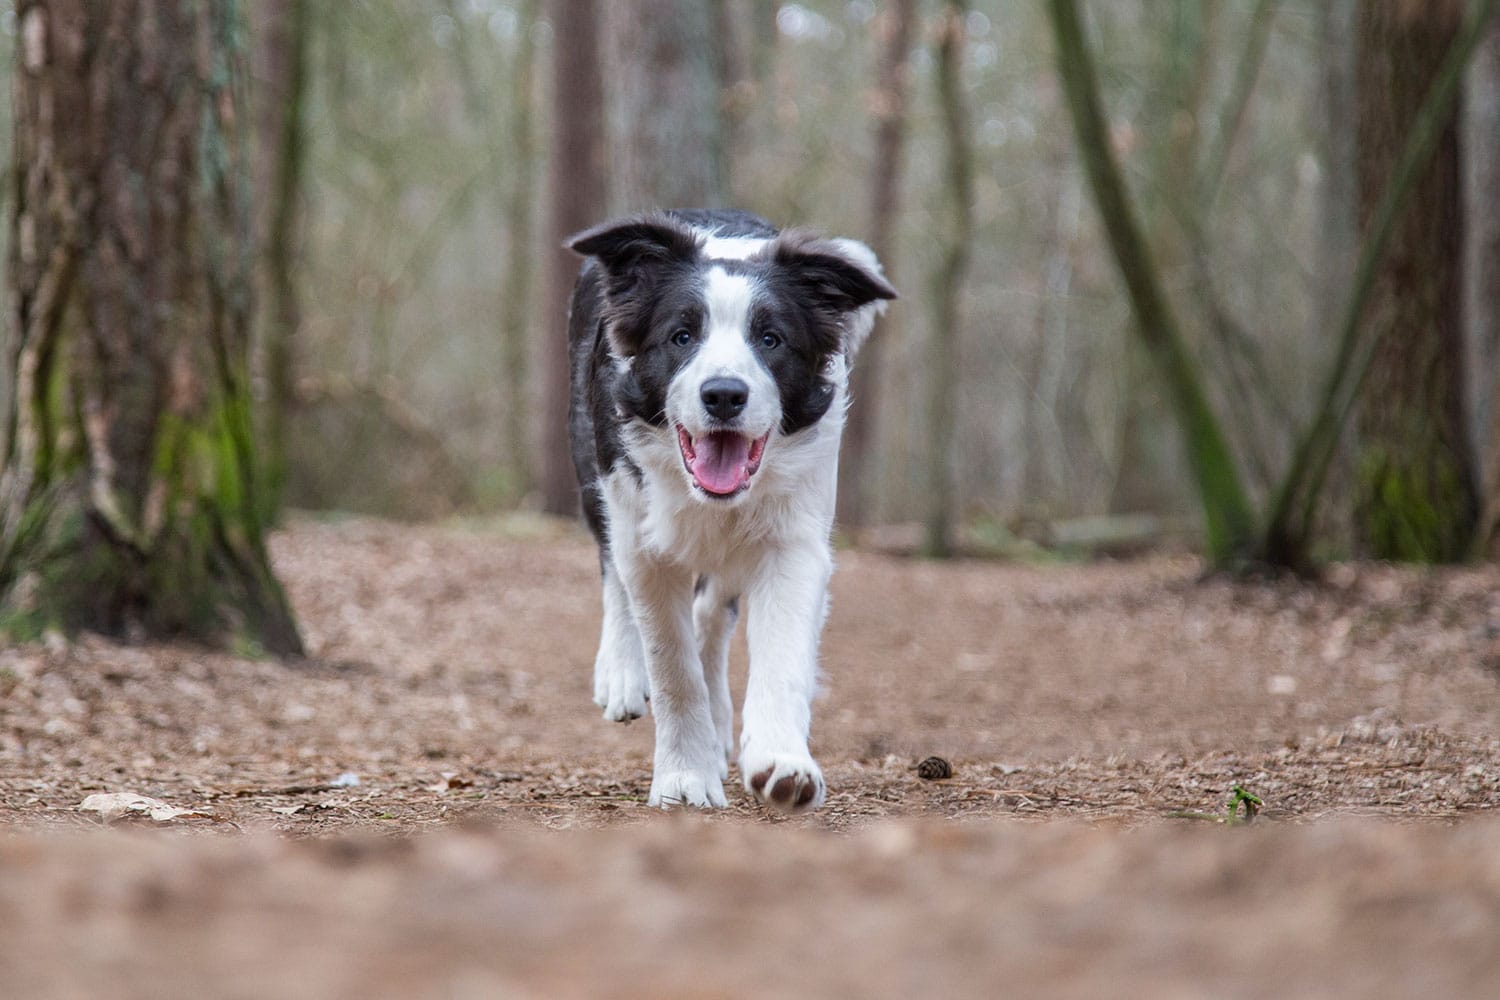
{"points": [[769, 544]]}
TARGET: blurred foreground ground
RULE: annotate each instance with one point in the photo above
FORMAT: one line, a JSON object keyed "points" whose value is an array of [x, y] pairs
{"points": [[431, 806]]}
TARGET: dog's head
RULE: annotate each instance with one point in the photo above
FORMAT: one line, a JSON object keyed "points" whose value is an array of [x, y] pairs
{"points": [[727, 344]]}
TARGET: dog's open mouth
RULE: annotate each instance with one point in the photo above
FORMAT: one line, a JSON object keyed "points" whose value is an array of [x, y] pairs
{"points": [[721, 462]]}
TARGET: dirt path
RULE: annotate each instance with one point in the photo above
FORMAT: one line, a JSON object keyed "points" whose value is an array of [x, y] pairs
{"points": [[449, 691]]}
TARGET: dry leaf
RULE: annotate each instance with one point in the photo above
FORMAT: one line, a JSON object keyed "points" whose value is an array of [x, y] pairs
{"points": [[114, 805], [451, 780]]}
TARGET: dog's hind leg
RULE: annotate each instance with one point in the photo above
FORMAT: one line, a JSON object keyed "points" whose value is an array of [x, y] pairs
{"points": [[621, 686], [714, 617]]}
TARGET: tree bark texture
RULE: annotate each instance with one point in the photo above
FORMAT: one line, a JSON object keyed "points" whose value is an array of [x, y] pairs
{"points": [[893, 26], [1414, 476], [129, 500], [578, 198], [1285, 540], [947, 286], [666, 106]]}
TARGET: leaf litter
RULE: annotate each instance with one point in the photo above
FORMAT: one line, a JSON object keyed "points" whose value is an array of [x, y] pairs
{"points": [[112, 806]]}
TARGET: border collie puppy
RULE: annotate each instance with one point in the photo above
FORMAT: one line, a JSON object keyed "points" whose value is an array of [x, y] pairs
{"points": [[710, 362]]}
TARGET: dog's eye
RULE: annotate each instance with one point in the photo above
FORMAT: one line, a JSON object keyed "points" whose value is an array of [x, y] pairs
{"points": [[770, 341], [682, 338]]}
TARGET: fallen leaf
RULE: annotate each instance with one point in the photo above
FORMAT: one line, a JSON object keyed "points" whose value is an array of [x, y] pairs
{"points": [[451, 780], [114, 805]]}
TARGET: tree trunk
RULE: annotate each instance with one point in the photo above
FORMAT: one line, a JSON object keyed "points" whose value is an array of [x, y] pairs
{"points": [[1045, 431], [894, 27], [1338, 244], [511, 144], [1414, 476], [129, 501], [577, 201], [1285, 541], [280, 57], [1146, 470], [1229, 522], [666, 103], [737, 90], [947, 286], [520, 270], [1481, 150]]}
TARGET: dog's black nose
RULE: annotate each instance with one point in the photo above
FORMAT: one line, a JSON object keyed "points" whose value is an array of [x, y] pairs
{"points": [[724, 398]]}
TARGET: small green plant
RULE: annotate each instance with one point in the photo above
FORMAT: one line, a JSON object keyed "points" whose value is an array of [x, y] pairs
{"points": [[1239, 797]]}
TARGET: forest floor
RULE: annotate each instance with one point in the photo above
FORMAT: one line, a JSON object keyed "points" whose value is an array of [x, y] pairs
{"points": [[431, 806]]}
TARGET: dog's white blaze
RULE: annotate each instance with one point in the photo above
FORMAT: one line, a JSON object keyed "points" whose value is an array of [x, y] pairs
{"points": [[732, 247], [728, 297]]}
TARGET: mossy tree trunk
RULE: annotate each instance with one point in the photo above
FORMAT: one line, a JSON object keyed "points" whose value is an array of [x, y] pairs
{"points": [[1414, 472], [945, 286], [1229, 520], [1293, 512], [1189, 48], [281, 56], [129, 502]]}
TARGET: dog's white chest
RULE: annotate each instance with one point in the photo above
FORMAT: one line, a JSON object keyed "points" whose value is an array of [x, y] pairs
{"points": [[719, 540]]}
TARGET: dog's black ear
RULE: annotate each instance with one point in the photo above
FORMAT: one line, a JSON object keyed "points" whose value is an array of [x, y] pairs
{"points": [[626, 245], [634, 252], [837, 274], [840, 277]]}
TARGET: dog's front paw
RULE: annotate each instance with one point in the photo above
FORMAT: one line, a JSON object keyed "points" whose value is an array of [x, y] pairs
{"points": [[791, 782], [698, 789]]}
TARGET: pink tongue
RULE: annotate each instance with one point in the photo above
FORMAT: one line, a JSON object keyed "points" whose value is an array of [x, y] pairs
{"points": [[721, 461]]}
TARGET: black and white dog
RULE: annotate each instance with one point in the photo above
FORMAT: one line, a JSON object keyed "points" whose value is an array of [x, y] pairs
{"points": [[710, 361]]}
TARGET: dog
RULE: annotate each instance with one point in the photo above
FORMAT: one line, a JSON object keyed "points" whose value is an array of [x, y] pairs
{"points": [[710, 360]]}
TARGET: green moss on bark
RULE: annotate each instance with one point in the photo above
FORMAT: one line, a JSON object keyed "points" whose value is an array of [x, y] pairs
{"points": [[128, 501]]}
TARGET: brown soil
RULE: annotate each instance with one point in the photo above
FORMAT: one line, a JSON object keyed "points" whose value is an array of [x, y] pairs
{"points": [[1093, 717]]}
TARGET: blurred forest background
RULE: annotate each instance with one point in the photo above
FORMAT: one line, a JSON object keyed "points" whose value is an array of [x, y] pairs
{"points": [[405, 179], [1222, 274]]}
